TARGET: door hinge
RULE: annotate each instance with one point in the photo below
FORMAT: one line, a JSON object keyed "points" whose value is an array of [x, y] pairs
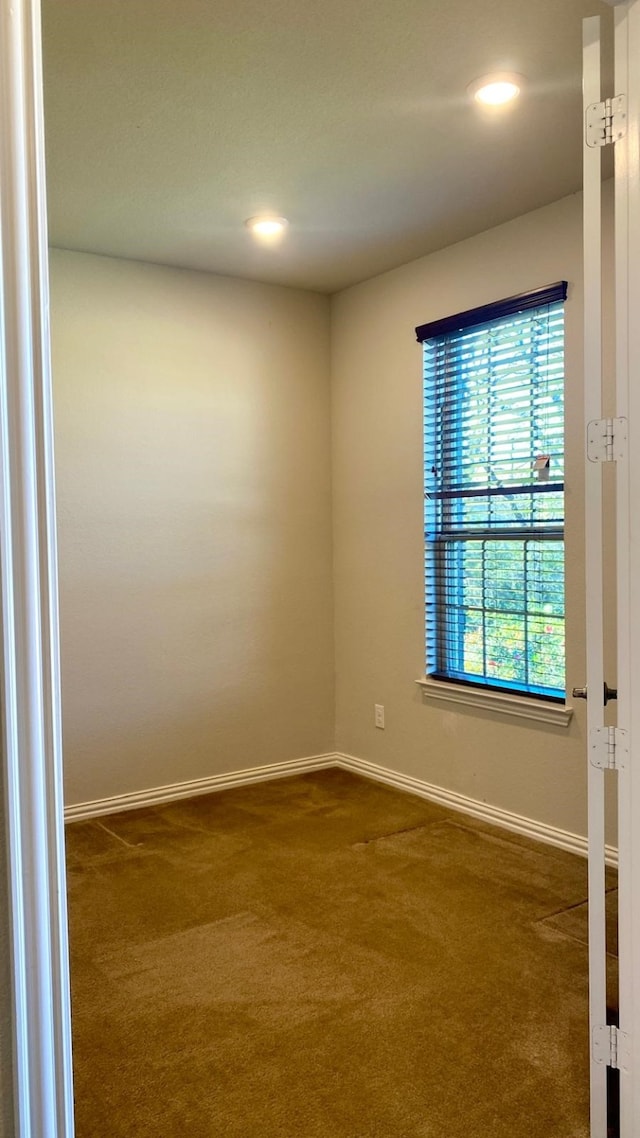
{"points": [[606, 440], [608, 748], [611, 1047], [606, 122]]}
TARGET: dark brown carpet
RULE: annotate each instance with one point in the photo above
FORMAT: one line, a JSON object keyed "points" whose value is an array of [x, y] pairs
{"points": [[322, 957]]}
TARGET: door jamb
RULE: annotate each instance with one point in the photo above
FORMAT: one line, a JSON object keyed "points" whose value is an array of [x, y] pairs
{"points": [[30, 680]]}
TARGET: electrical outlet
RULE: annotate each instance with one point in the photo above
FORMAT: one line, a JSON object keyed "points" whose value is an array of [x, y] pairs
{"points": [[378, 709]]}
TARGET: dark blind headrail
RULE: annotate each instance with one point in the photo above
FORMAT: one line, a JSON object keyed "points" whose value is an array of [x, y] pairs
{"points": [[549, 294]]}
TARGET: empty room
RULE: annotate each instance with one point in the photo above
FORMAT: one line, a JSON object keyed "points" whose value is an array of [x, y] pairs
{"points": [[340, 552]]}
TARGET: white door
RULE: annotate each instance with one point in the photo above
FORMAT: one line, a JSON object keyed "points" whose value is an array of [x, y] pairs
{"points": [[613, 742]]}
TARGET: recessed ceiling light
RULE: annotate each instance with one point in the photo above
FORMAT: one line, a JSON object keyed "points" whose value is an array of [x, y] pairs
{"points": [[267, 227], [496, 90]]}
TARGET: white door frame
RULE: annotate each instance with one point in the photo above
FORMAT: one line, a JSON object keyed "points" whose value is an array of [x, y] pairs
{"points": [[30, 681], [627, 285]]}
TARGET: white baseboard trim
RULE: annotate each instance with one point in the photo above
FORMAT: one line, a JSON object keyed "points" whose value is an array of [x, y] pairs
{"points": [[157, 795], [517, 823]]}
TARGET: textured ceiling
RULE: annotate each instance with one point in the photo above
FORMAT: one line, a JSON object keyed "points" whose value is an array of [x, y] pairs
{"points": [[171, 121]]}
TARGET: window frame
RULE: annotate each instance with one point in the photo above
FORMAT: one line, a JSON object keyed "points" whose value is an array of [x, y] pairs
{"points": [[513, 696]]}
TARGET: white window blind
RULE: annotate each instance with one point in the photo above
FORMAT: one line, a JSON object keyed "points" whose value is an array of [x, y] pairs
{"points": [[494, 493]]}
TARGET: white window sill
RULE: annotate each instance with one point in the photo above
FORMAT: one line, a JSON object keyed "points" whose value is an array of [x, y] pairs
{"points": [[520, 706]]}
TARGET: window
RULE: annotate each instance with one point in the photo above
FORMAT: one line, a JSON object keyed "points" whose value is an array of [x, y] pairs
{"points": [[494, 494]]}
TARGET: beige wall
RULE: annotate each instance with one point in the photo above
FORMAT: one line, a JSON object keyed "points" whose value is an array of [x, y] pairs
{"points": [[193, 484], [534, 770]]}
